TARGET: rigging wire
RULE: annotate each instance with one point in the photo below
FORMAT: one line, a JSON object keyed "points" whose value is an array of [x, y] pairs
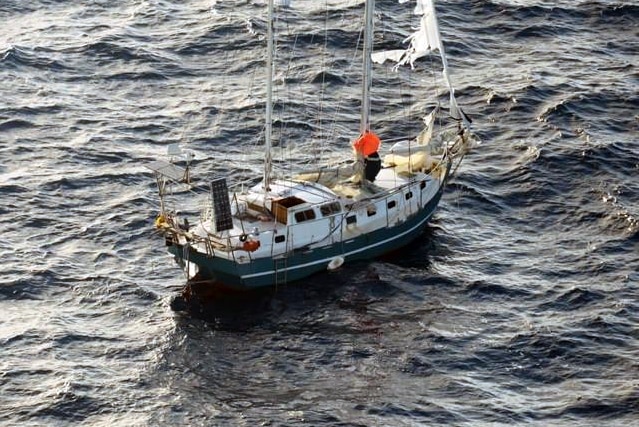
{"points": [[323, 71]]}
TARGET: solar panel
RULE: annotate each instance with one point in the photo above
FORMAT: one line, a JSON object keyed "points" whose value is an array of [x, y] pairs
{"points": [[221, 205], [168, 170]]}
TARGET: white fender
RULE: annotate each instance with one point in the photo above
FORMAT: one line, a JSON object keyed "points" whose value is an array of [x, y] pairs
{"points": [[335, 263]]}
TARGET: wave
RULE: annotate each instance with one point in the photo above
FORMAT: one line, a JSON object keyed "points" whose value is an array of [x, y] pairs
{"points": [[604, 110], [17, 57], [12, 124]]}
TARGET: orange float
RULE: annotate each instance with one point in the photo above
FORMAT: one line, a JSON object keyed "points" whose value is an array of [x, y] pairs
{"points": [[251, 245]]}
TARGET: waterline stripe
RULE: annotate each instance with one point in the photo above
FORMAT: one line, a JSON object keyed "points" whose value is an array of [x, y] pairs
{"points": [[250, 276]]}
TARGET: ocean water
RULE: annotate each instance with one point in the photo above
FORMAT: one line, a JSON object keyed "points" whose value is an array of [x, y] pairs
{"points": [[518, 306]]}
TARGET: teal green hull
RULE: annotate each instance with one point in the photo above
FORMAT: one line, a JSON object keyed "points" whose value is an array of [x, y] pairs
{"points": [[303, 263]]}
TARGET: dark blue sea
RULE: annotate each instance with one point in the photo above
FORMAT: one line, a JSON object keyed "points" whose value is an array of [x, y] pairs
{"points": [[518, 306]]}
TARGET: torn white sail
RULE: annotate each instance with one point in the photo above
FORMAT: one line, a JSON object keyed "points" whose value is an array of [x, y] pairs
{"points": [[390, 55], [422, 42], [429, 121], [426, 39]]}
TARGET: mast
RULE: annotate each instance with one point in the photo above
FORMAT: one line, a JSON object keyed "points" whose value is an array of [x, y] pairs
{"points": [[367, 65], [269, 99]]}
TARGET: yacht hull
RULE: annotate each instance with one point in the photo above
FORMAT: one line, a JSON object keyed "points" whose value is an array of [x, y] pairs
{"points": [[301, 263]]}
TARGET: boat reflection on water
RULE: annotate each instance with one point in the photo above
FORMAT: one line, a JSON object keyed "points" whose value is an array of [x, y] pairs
{"points": [[350, 287]]}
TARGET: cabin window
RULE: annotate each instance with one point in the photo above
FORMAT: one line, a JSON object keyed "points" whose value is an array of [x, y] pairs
{"points": [[306, 215], [330, 208], [371, 210], [391, 204], [409, 195], [279, 239], [422, 185], [351, 219]]}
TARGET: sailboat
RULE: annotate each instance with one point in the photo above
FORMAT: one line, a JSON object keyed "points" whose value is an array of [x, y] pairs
{"points": [[284, 229]]}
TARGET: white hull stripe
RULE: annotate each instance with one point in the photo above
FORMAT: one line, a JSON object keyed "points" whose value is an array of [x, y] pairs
{"points": [[326, 260]]}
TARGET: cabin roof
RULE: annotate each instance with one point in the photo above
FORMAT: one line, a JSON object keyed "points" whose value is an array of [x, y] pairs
{"points": [[310, 192]]}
